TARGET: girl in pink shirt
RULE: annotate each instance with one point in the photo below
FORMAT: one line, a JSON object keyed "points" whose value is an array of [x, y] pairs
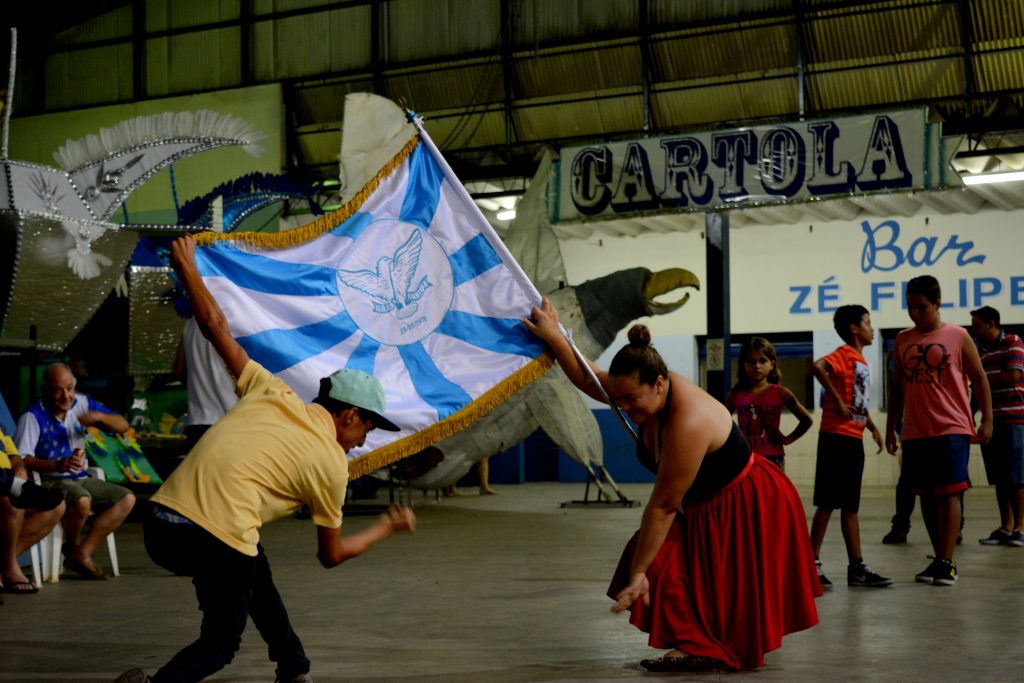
{"points": [[758, 399]]}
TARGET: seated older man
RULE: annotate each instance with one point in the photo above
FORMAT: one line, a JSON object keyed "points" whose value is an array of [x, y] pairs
{"points": [[51, 439]]}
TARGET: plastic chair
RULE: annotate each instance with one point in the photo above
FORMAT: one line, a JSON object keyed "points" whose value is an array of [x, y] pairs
{"points": [[45, 555]]}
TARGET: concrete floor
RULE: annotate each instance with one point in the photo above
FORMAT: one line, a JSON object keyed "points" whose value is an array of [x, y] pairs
{"points": [[511, 588]]}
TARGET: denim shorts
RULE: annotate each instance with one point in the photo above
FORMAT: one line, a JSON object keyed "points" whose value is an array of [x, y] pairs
{"points": [[1004, 455], [937, 465]]}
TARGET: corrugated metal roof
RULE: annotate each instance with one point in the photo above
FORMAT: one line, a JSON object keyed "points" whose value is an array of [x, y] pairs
{"points": [[599, 67], [576, 68], [724, 52]]}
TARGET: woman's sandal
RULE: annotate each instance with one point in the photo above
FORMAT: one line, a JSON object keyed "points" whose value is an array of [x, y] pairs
{"points": [[687, 663]]}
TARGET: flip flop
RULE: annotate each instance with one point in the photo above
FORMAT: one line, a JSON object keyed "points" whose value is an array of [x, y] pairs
{"points": [[688, 663], [20, 588], [86, 569]]}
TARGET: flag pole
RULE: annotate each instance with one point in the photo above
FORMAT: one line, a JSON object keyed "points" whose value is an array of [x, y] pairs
{"points": [[618, 413], [499, 247], [593, 378], [526, 283], [510, 262]]}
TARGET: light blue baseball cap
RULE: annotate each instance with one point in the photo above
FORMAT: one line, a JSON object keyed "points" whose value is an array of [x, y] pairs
{"points": [[361, 390]]}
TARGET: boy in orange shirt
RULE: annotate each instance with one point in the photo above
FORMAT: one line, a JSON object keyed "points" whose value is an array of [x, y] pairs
{"points": [[846, 377]]}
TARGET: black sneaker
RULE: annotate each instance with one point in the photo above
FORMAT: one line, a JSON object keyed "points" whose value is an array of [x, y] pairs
{"points": [[945, 573], [822, 579], [35, 497], [861, 575], [1016, 539], [895, 537], [928, 575], [997, 537]]}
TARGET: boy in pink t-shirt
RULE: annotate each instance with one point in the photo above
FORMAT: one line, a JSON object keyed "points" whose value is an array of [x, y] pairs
{"points": [[932, 364]]}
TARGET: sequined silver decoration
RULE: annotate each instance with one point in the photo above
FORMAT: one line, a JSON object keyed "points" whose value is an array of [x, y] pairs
{"points": [[154, 328], [40, 289]]}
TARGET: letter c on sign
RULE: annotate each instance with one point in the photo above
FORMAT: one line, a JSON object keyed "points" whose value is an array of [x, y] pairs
{"points": [[591, 176]]}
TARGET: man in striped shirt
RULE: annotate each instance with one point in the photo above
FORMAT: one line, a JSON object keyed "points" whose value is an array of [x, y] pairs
{"points": [[1002, 355]]}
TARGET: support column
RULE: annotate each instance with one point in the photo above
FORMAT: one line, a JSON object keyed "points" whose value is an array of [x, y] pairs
{"points": [[719, 365]]}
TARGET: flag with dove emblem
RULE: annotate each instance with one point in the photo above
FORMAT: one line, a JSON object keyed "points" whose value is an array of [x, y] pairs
{"points": [[407, 281]]}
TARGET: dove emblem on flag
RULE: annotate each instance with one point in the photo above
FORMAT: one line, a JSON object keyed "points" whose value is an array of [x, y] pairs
{"points": [[390, 286]]}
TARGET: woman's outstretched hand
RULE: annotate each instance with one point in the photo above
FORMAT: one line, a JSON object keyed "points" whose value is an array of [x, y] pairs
{"points": [[638, 589], [543, 321]]}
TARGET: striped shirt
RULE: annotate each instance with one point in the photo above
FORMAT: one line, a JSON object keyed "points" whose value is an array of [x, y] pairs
{"points": [[1005, 354]]}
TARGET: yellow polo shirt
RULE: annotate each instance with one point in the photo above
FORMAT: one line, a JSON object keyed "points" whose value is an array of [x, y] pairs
{"points": [[270, 455], [6, 449]]}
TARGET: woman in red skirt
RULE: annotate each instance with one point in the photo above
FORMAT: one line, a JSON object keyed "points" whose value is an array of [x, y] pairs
{"points": [[721, 567]]}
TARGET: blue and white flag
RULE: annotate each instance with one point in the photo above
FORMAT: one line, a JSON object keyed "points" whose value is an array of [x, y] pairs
{"points": [[407, 281]]}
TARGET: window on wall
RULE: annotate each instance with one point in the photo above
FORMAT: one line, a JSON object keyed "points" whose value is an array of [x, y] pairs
{"points": [[794, 351]]}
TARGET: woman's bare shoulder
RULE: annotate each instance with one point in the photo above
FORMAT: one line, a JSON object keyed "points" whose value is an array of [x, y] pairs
{"points": [[698, 414]]}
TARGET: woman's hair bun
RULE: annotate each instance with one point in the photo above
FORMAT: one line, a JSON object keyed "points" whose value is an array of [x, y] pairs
{"points": [[640, 336]]}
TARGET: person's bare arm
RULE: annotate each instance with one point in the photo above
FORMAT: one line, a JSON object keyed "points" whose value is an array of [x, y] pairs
{"points": [[982, 391], [821, 369], [685, 442], [805, 420], [111, 422], [333, 548], [895, 407], [208, 314], [544, 324], [875, 434]]}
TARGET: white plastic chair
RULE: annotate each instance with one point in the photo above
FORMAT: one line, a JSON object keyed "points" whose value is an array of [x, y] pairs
{"points": [[45, 555]]}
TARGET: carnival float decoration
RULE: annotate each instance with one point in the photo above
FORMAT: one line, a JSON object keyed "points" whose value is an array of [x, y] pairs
{"points": [[67, 251]]}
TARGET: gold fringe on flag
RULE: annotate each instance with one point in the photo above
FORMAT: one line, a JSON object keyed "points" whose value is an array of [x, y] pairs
{"points": [[414, 443], [324, 224]]}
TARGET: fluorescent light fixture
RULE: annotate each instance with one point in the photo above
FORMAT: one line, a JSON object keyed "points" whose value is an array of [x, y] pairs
{"points": [[488, 204], [990, 178], [507, 215]]}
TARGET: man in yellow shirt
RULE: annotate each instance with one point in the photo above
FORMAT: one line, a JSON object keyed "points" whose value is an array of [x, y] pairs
{"points": [[267, 457]]}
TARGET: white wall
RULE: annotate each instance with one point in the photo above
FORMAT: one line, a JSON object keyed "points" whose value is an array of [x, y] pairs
{"points": [[791, 278]]}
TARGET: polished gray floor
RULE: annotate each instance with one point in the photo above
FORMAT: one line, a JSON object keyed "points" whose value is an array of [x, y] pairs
{"points": [[511, 588]]}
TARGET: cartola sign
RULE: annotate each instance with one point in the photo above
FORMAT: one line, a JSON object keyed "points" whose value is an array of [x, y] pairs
{"points": [[898, 151]]}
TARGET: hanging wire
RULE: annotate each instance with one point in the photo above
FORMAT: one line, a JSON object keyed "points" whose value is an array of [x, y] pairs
{"points": [[477, 97]]}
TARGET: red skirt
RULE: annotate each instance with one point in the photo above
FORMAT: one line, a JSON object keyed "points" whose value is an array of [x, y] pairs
{"points": [[735, 574]]}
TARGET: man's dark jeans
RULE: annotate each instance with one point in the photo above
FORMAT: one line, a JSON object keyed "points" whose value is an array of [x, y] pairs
{"points": [[230, 587]]}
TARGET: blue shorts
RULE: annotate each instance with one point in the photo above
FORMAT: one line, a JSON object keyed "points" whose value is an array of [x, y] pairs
{"points": [[1004, 455], [937, 465]]}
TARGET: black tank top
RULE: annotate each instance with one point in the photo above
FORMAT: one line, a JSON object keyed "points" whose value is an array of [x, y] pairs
{"points": [[718, 468]]}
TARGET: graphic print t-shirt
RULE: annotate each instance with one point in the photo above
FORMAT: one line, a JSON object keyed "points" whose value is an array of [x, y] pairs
{"points": [[935, 398], [851, 377], [758, 416]]}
